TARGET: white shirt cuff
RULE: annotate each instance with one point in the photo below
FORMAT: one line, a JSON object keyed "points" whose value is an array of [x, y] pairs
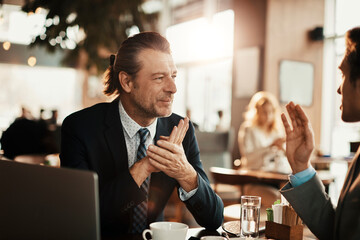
{"points": [[187, 195]]}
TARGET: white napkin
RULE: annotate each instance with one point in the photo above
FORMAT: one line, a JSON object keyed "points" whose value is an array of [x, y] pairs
{"points": [[277, 211]]}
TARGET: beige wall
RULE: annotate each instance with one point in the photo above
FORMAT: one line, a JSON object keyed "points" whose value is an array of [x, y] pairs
{"points": [[287, 26], [250, 18], [280, 28]]}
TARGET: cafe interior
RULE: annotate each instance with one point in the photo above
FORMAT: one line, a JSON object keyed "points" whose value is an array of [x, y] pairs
{"points": [[225, 51]]}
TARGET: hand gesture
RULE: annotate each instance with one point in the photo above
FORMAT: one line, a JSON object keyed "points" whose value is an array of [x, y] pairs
{"points": [[178, 133], [157, 158], [170, 158], [176, 137], [299, 138]]}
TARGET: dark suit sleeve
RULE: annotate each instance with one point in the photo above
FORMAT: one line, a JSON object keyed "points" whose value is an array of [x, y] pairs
{"points": [[73, 151], [313, 205], [205, 205], [86, 149]]}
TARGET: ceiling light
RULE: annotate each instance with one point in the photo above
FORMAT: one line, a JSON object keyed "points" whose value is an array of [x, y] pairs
{"points": [[31, 61], [6, 45]]}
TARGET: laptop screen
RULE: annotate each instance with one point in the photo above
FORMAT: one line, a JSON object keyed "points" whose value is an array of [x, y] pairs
{"points": [[40, 202]]}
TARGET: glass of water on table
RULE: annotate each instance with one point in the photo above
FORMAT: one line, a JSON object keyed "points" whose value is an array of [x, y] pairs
{"points": [[250, 216]]}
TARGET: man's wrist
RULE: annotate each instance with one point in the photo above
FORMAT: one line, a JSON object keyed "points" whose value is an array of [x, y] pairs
{"points": [[302, 177], [299, 167], [189, 183], [138, 173]]}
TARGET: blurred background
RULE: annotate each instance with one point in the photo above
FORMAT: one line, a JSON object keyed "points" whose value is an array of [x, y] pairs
{"points": [[53, 55]]}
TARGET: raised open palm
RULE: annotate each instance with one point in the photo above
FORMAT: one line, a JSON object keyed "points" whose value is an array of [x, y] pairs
{"points": [[299, 138]]}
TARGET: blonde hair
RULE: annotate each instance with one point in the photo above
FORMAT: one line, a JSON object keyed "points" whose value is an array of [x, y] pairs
{"points": [[257, 101]]}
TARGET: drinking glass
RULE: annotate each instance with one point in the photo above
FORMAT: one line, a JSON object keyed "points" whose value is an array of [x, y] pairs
{"points": [[250, 216]]}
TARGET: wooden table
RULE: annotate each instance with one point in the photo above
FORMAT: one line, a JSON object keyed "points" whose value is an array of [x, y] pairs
{"points": [[197, 233], [245, 176]]}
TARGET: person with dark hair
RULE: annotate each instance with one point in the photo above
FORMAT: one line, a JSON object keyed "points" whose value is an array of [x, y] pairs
{"points": [[305, 191], [140, 150], [27, 136], [188, 115]]}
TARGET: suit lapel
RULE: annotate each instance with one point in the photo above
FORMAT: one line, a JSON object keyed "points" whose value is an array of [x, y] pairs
{"points": [[347, 184], [162, 128], [350, 176], [114, 136]]}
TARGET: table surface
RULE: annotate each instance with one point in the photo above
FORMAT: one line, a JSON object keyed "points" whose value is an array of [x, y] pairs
{"points": [[197, 233]]}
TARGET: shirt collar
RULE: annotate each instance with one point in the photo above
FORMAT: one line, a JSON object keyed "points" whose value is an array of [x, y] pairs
{"points": [[131, 127]]}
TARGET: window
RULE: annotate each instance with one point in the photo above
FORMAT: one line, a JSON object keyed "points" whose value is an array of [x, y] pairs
{"points": [[203, 52], [49, 88], [336, 134], [35, 88]]}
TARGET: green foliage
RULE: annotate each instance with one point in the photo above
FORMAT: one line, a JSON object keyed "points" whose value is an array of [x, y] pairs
{"points": [[104, 22]]}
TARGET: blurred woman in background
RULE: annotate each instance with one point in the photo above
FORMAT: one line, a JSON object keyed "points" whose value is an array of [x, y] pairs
{"points": [[261, 143], [261, 137]]}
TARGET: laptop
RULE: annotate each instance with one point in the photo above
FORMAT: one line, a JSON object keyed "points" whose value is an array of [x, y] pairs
{"points": [[41, 202]]}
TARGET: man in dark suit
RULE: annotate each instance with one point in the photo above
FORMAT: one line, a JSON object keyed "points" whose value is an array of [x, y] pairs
{"points": [[305, 191], [104, 138]]}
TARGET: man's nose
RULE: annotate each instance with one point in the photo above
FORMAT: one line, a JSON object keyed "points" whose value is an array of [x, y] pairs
{"points": [[170, 85]]}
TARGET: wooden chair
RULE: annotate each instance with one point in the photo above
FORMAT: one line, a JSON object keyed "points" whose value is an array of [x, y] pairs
{"points": [[224, 179], [174, 208], [227, 184], [215, 149], [257, 179], [233, 177]]}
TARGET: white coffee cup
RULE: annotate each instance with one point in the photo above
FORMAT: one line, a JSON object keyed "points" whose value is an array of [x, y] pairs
{"points": [[166, 231], [212, 238]]}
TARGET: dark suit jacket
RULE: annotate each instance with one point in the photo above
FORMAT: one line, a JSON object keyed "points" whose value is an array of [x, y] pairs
{"points": [[93, 139], [316, 210]]}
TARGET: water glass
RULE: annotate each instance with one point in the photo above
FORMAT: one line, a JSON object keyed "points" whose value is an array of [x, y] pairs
{"points": [[250, 216]]}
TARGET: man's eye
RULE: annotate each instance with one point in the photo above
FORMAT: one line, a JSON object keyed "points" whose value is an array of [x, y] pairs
{"points": [[173, 76], [159, 78]]}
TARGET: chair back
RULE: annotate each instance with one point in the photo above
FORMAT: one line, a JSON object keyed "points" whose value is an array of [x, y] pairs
{"points": [[215, 149], [230, 176]]}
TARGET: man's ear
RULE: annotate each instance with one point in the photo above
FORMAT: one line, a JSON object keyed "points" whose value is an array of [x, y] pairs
{"points": [[125, 81]]}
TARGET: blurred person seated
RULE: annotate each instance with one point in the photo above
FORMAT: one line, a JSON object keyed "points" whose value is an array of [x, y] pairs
{"points": [[54, 127], [41, 114], [261, 140], [27, 136], [305, 191], [52, 121], [222, 125], [188, 114], [261, 137], [25, 113]]}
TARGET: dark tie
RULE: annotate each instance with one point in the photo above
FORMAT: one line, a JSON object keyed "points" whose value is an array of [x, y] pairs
{"points": [[140, 211]]}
